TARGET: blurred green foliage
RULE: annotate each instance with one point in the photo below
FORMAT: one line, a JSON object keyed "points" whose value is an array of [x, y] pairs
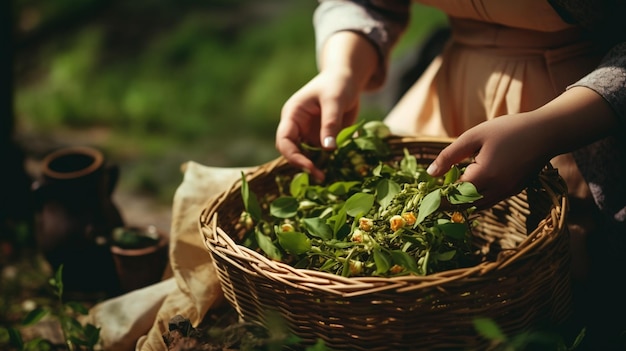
{"points": [[170, 80]]}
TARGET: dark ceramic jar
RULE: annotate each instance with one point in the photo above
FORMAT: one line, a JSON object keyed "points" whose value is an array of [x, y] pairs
{"points": [[75, 215]]}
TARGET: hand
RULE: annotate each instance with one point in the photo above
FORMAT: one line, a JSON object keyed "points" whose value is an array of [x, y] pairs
{"points": [[314, 115], [508, 150], [330, 101]]}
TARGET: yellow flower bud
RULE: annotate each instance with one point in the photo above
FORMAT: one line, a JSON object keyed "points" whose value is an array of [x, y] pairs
{"points": [[246, 220], [395, 269], [356, 267], [287, 227], [409, 217], [457, 217], [396, 222], [365, 224], [357, 236]]}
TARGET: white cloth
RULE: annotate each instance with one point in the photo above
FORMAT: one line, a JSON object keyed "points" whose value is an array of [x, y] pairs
{"points": [[137, 320]]}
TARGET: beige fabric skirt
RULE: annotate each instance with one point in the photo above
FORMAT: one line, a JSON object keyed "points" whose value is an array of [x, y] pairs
{"points": [[486, 71]]}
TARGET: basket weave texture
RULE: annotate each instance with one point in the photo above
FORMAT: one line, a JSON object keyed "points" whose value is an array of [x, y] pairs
{"points": [[524, 283]]}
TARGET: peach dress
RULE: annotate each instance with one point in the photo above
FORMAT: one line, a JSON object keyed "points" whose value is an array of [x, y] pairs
{"points": [[503, 57]]}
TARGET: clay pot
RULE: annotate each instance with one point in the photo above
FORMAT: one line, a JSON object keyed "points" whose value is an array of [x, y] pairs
{"points": [[141, 257], [74, 217]]}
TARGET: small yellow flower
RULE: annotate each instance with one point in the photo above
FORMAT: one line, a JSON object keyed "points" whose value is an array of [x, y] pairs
{"points": [[395, 269], [357, 236], [356, 267], [396, 222], [409, 217], [457, 217], [246, 220], [287, 227], [365, 224]]}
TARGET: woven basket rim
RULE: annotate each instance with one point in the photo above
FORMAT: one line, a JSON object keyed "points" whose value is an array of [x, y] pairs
{"points": [[220, 244]]}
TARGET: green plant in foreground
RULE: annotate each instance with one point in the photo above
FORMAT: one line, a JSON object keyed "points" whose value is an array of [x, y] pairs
{"points": [[77, 337], [532, 340], [252, 336], [372, 216]]}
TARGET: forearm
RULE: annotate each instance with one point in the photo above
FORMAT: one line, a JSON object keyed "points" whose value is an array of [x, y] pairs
{"points": [[574, 119], [381, 22], [351, 56]]}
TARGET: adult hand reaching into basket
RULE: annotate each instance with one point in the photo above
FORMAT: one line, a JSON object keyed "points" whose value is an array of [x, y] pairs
{"points": [[511, 149], [329, 102]]}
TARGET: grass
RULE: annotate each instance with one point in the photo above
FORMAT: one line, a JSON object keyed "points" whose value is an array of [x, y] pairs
{"points": [[199, 82]]}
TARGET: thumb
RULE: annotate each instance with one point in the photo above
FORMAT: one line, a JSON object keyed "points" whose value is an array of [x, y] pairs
{"points": [[331, 124], [459, 150]]}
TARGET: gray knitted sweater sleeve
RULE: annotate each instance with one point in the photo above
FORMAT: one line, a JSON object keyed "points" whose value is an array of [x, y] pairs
{"points": [[380, 21], [603, 163], [609, 80]]}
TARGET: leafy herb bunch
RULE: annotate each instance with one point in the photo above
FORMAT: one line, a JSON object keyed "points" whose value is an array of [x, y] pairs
{"points": [[372, 216]]}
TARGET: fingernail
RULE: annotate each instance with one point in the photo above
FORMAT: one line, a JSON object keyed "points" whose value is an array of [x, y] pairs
{"points": [[329, 142], [432, 169]]}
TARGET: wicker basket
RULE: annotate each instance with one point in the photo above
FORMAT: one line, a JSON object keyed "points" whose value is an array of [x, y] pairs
{"points": [[525, 283]]}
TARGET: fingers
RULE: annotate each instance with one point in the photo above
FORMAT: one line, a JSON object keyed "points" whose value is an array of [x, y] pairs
{"points": [[314, 115], [288, 137], [459, 150], [330, 124]]}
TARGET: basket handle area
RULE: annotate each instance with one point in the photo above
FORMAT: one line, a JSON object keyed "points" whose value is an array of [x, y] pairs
{"points": [[554, 185]]}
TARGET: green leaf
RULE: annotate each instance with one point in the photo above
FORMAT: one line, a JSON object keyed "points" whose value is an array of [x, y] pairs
{"points": [[284, 207], [250, 202], [430, 203], [359, 204], [347, 133], [489, 329], [386, 190], [318, 227], [423, 262], [341, 188], [382, 169], [408, 163], [338, 244], [57, 281], [92, 334], [34, 316], [377, 129], [338, 221], [299, 184], [405, 260], [78, 341], [295, 243], [454, 230], [445, 256], [37, 344], [452, 175], [345, 271], [73, 324], [329, 265], [77, 307], [14, 336], [382, 261], [371, 144], [464, 192], [318, 346], [266, 244]]}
